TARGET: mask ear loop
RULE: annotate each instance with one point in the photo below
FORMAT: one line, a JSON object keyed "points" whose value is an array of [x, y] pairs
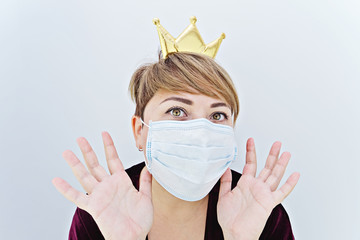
{"points": [[144, 123], [140, 149]]}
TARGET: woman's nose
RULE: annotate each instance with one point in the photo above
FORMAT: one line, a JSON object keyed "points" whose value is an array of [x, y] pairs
{"points": [[199, 115]]}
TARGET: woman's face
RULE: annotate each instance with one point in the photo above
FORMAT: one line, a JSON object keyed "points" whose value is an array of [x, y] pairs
{"points": [[180, 106]]}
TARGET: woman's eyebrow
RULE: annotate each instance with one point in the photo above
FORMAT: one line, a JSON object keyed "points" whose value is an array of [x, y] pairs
{"points": [[219, 104], [179, 99]]}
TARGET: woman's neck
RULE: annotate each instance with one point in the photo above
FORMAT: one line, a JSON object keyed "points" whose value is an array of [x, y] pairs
{"points": [[175, 218]]}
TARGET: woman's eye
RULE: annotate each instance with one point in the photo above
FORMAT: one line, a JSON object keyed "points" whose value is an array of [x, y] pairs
{"points": [[177, 112], [219, 116]]}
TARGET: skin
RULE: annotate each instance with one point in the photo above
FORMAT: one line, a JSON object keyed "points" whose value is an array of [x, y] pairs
{"points": [[122, 212], [173, 216]]}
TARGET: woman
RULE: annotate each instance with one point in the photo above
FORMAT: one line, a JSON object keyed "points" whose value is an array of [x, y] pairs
{"points": [[178, 99]]}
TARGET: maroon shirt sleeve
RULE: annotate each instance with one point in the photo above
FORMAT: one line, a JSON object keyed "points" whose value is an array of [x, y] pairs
{"points": [[84, 227], [277, 227]]}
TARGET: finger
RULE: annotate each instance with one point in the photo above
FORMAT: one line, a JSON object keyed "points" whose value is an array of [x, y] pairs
{"points": [[250, 165], [112, 157], [145, 182], [80, 199], [86, 180], [287, 188], [225, 183], [278, 171], [91, 160], [270, 161]]}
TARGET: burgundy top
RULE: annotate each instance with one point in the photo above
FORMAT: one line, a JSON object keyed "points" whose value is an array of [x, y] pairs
{"points": [[277, 227]]}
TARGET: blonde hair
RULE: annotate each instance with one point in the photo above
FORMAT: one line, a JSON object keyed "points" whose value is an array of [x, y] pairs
{"points": [[186, 72]]}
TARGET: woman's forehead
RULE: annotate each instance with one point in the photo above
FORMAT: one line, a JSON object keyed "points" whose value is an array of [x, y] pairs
{"points": [[165, 95], [164, 98]]}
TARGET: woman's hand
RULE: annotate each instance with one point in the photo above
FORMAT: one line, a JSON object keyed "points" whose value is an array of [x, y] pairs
{"points": [[120, 211], [243, 211]]}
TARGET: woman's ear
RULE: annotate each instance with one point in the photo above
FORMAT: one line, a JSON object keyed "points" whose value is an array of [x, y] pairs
{"points": [[136, 127]]}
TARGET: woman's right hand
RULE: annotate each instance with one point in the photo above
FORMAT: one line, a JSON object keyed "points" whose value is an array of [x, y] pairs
{"points": [[120, 211]]}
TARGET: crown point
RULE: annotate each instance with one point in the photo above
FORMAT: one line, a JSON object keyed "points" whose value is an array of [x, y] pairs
{"points": [[193, 20], [156, 21], [223, 35]]}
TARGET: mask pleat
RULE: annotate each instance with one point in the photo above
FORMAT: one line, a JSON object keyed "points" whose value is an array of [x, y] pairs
{"points": [[188, 157]]}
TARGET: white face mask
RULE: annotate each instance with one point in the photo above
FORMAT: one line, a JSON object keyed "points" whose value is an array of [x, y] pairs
{"points": [[187, 158]]}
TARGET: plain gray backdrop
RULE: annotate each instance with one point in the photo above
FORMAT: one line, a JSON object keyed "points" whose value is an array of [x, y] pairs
{"points": [[65, 68]]}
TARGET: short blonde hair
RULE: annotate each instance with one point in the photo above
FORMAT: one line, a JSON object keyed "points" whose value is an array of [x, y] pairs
{"points": [[186, 72]]}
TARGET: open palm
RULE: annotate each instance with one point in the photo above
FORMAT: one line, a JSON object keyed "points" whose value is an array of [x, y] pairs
{"points": [[120, 211], [243, 211]]}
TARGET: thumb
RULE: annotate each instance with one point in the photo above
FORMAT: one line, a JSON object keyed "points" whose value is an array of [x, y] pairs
{"points": [[145, 182], [225, 183]]}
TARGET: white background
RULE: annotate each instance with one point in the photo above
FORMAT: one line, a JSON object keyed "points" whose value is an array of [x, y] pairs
{"points": [[65, 68]]}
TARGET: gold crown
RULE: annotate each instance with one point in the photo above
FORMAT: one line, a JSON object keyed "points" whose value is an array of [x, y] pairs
{"points": [[189, 40]]}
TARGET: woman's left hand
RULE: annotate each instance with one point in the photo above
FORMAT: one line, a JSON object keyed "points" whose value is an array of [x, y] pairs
{"points": [[243, 211]]}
